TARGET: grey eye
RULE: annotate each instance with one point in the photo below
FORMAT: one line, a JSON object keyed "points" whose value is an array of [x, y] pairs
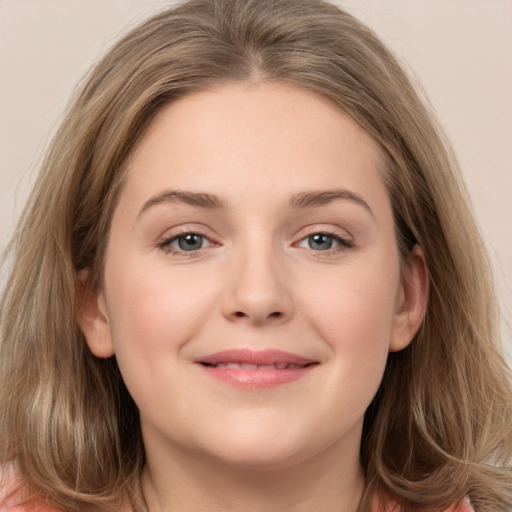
{"points": [[190, 242], [320, 242], [325, 242]]}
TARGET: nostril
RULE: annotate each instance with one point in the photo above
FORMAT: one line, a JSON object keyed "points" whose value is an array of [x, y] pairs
{"points": [[275, 314]]}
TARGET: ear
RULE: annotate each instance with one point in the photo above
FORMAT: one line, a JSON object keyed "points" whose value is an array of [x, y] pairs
{"points": [[92, 317], [411, 300]]}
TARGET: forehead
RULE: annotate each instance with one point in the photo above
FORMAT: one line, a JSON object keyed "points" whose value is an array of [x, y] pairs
{"points": [[261, 137]]}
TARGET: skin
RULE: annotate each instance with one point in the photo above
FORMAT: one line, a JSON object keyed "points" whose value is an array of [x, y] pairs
{"points": [[258, 281]]}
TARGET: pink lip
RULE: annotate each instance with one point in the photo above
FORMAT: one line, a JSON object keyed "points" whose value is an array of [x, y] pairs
{"points": [[289, 367]]}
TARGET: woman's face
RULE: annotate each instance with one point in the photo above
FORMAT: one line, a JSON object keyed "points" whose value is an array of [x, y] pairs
{"points": [[252, 287]]}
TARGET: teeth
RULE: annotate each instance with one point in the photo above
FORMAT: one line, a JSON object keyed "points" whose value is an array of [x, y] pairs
{"points": [[249, 366]]}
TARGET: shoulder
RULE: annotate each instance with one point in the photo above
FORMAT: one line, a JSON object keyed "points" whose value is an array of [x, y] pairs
{"points": [[27, 508], [13, 498], [392, 506], [465, 507]]}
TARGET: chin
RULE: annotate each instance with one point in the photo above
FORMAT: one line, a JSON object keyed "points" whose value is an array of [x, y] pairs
{"points": [[262, 460], [265, 448]]}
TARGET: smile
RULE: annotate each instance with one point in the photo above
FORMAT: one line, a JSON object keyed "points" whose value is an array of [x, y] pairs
{"points": [[249, 366], [249, 369]]}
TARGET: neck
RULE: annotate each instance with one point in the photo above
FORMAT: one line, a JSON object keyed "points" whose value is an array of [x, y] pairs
{"points": [[191, 482]]}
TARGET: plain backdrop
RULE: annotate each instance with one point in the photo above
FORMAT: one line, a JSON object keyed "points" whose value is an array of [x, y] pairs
{"points": [[459, 50]]}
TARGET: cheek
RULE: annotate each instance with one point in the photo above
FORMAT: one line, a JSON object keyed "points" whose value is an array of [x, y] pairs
{"points": [[154, 306], [356, 303], [354, 314], [153, 313]]}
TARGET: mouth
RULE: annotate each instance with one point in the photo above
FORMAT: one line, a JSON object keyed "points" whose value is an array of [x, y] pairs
{"points": [[249, 366], [249, 369]]}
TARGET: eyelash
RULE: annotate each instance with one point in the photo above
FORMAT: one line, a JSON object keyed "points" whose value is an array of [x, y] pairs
{"points": [[166, 247], [344, 243], [165, 244]]}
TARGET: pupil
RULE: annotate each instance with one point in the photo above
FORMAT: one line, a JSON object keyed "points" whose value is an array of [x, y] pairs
{"points": [[190, 242], [320, 242]]}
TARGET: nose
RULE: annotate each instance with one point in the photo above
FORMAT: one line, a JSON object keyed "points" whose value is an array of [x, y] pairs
{"points": [[258, 289]]}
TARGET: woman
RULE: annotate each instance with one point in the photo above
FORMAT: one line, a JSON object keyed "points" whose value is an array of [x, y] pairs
{"points": [[245, 211]]}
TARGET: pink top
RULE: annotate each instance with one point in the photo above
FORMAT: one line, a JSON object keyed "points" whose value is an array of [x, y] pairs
{"points": [[463, 508], [8, 484], [390, 507]]}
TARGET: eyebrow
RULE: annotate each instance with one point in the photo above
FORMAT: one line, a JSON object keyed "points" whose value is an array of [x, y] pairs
{"points": [[198, 199], [308, 199], [315, 198]]}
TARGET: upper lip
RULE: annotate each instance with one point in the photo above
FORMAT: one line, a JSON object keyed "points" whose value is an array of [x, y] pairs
{"points": [[257, 357]]}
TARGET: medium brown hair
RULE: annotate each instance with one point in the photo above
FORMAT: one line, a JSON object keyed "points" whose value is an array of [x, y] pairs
{"points": [[440, 427]]}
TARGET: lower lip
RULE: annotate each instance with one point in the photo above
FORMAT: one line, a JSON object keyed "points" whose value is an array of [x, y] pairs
{"points": [[256, 379]]}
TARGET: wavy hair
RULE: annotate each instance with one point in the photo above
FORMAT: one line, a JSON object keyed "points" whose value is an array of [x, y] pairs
{"points": [[440, 426]]}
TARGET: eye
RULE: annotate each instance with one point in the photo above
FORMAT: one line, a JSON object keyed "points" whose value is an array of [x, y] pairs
{"points": [[324, 242], [186, 242]]}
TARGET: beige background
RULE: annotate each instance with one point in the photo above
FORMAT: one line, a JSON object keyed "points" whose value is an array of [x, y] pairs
{"points": [[460, 50]]}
